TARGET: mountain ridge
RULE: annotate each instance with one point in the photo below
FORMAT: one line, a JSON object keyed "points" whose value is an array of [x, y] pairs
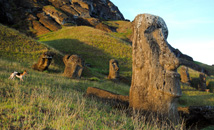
{"points": [[36, 17]]}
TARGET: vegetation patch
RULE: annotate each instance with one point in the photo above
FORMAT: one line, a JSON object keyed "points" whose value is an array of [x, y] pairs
{"points": [[94, 46]]}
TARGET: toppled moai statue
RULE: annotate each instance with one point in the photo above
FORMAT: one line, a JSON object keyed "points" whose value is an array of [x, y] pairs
{"points": [[184, 72], [202, 82], [155, 84], [44, 61], [73, 66], [113, 70]]}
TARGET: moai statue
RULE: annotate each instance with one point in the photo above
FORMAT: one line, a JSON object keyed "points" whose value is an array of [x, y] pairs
{"points": [[155, 83], [113, 70], [202, 82], [184, 74], [73, 66], [44, 61]]}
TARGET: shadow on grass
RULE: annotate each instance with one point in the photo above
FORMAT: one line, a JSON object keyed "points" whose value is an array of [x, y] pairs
{"points": [[94, 56], [211, 86]]}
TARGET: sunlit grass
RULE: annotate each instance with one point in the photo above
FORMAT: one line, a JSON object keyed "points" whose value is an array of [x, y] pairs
{"points": [[51, 101], [94, 46]]}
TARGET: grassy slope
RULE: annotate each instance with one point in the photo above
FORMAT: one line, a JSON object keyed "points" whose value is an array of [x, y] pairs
{"points": [[123, 29], [49, 100], [15, 46], [191, 96], [94, 46]]}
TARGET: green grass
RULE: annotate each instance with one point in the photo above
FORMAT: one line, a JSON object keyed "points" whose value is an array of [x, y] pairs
{"points": [[123, 28], [16, 46], [94, 46], [191, 96], [47, 100], [209, 68], [51, 101]]}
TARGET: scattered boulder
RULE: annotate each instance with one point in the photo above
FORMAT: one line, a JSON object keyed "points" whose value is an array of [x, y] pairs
{"points": [[184, 73], [155, 84], [73, 66], [44, 61], [114, 70]]}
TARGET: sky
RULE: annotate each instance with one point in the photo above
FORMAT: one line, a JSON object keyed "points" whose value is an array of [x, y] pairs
{"points": [[190, 23]]}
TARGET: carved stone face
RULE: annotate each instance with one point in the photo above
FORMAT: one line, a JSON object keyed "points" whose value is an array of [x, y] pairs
{"points": [[44, 61], [113, 69], [73, 66], [155, 84]]}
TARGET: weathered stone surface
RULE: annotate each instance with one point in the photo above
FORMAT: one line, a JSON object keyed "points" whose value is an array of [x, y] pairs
{"points": [[184, 73], [106, 94], [113, 70], [57, 15], [48, 22], [155, 85], [202, 83], [73, 66], [44, 61], [39, 28]]}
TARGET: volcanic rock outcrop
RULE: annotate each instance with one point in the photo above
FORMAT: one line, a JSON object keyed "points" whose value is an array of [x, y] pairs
{"points": [[44, 61], [155, 85], [51, 14], [73, 66], [113, 70]]}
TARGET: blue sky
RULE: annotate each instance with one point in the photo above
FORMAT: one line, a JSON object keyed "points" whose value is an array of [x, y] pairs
{"points": [[190, 23]]}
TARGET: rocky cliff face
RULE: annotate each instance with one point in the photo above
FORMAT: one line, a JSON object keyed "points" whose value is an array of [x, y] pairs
{"points": [[41, 16]]}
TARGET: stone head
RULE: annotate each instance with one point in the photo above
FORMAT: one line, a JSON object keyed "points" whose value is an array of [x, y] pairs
{"points": [[73, 66], [155, 82], [151, 53], [113, 69]]}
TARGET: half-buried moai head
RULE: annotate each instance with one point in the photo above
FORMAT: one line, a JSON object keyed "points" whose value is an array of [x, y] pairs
{"points": [[202, 84], [184, 73], [73, 66], [155, 84], [44, 61], [113, 70]]}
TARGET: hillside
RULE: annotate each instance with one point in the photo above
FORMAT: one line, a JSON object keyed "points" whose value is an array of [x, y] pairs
{"points": [[47, 100], [36, 17], [96, 47]]}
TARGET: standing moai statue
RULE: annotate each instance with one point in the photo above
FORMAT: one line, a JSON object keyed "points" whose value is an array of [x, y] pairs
{"points": [[184, 72], [155, 85], [202, 82], [113, 70], [44, 61], [73, 66]]}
